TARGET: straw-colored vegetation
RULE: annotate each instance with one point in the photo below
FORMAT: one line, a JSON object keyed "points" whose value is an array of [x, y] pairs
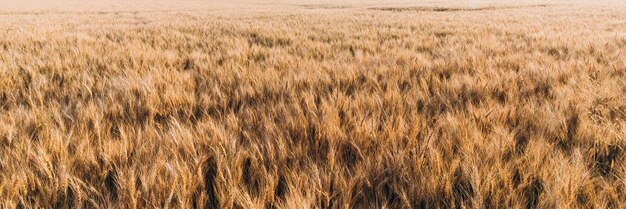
{"points": [[314, 106]]}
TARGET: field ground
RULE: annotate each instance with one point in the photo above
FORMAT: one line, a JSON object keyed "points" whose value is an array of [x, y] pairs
{"points": [[288, 104]]}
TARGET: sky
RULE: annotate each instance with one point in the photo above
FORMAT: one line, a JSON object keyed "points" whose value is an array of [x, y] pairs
{"points": [[151, 5]]}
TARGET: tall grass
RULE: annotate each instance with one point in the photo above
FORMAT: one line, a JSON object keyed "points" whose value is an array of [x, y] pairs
{"points": [[305, 107]]}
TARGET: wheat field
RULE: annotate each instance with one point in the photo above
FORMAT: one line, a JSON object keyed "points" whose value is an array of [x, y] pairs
{"points": [[331, 104]]}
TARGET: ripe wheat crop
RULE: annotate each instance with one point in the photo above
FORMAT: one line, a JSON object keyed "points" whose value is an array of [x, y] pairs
{"points": [[155, 104]]}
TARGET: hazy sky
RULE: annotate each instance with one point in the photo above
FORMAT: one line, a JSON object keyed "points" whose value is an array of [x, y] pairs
{"points": [[34, 5]]}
